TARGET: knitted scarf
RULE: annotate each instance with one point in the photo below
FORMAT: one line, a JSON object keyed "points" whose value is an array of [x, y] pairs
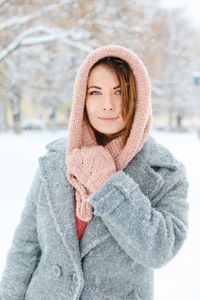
{"points": [[84, 157]]}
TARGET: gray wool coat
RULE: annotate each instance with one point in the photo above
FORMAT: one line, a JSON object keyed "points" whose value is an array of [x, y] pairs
{"points": [[140, 223]]}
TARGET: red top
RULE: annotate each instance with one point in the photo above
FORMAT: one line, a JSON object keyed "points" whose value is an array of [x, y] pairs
{"points": [[80, 225]]}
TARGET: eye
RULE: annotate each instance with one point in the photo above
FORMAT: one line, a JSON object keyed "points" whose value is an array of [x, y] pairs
{"points": [[119, 91], [94, 92]]}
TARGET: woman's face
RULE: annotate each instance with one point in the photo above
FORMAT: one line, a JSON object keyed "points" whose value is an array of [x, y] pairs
{"points": [[103, 100]]}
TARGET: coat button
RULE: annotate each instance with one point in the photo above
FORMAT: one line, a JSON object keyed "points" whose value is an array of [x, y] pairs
{"points": [[74, 278], [57, 270]]}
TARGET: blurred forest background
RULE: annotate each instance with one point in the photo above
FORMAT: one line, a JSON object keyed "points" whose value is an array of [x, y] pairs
{"points": [[42, 44]]}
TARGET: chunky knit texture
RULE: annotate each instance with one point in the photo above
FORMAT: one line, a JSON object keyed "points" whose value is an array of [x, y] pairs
{"points": [[89, 167], [80, 135]]}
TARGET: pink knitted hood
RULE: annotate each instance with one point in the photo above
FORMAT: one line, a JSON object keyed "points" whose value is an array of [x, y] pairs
{"points": [[80, 135]]}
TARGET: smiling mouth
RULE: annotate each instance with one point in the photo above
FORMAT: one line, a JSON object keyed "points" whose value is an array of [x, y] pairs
{"points": [[108, 119]]}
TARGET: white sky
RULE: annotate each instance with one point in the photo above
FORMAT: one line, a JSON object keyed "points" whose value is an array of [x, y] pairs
{"points": [[192, 8]]}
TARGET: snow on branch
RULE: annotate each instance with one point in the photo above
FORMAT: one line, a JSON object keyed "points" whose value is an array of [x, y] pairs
{"points": [[16, 21], [27, 38], [23, 19], [2, 2], [18, 40]]}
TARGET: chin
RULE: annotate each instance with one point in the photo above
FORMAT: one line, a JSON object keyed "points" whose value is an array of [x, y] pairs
{"points": [[108, 132]]}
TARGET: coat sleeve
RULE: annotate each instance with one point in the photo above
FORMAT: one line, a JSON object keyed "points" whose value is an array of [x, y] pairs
{"points": [[23, 256], [150, 235]]}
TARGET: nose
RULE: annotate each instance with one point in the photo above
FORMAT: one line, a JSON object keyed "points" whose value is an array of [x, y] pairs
{"points": [[108, 103]]}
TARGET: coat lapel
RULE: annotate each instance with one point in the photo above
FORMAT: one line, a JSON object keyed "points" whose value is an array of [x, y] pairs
{"points": [[60, 196]]}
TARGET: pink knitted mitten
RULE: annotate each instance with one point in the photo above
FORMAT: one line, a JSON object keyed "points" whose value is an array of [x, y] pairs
{"points": [[91, 166]]}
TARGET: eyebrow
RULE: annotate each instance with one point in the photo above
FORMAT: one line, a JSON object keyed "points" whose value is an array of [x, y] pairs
{"points": [[97, 87]]}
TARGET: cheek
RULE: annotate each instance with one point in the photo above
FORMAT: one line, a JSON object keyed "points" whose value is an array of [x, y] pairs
{"points": [[91, 107]]}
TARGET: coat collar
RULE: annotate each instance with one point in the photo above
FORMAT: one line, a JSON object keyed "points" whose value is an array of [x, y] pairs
{"points": [[60, 193]]}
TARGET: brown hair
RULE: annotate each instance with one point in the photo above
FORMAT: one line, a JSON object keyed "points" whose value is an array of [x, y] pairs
{"points": [[128, 88]]}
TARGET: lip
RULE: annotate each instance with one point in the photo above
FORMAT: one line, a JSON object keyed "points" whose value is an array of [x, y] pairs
{"points": [[108, 119]]}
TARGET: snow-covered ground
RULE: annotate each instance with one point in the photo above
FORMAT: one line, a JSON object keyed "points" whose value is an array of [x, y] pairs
{"points": [[179, 279]]}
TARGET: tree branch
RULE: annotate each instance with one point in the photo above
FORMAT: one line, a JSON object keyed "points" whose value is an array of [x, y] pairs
{"points": [[2, 2], [50, 35], [23, 19]]}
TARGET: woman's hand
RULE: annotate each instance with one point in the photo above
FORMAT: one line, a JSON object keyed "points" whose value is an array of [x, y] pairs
{"points": [[91, 166]]}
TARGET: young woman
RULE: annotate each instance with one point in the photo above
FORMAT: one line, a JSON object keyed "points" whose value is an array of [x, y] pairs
{"points": [[108, 204]]}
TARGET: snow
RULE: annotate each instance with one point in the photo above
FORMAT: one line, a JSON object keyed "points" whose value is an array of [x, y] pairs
{"points": [[18, 160]]}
